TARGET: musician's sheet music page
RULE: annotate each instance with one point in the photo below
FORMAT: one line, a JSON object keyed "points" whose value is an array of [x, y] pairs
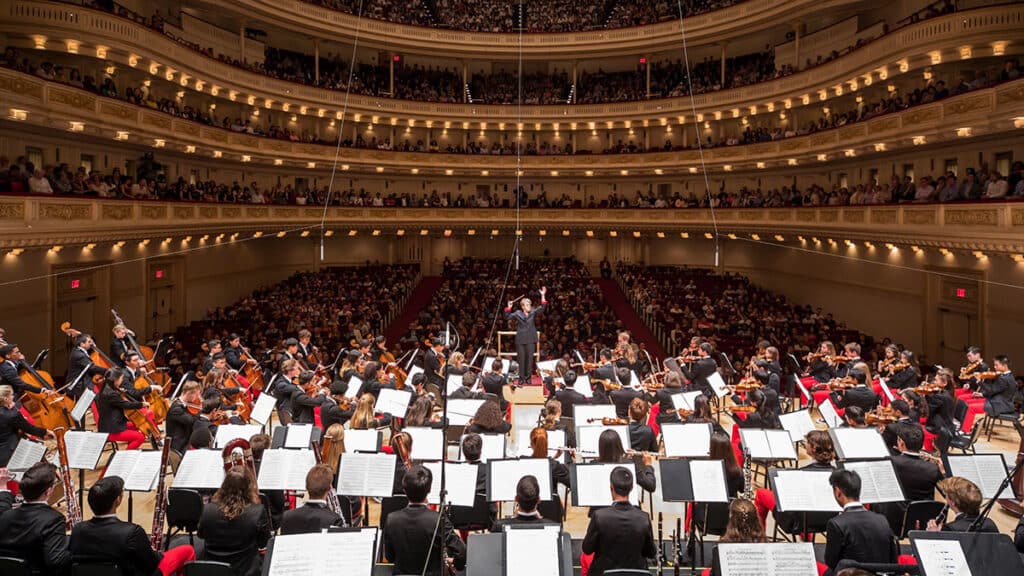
{"points": [[349, 553], [942, 557], [263, 408], [532, 551], [797, 423], [408, 376], [462, 410], [454, 383], [228, 432], [708, 478], [362, 440], [200, 469], [593, 484], [394, 402], [122, 463], [355, 386], [489, 361], [859, 443], [298, 435], [427, 443], [460, 480], [829, 414], [493, 447], [26, 454], [84, 448], [781, 444], [584, 386], [718, 384], [84, 401], [366, 474], [687, 440], [588, 436], [987, 471], [755, 442], [878, 481], [145, 473], [782, 559], [683, 401], [284, 469], [805, 491], [505, 474]]}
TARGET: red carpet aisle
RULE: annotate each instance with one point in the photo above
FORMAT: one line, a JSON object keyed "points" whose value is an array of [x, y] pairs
{"points": [[620, 305], [419, 298]]}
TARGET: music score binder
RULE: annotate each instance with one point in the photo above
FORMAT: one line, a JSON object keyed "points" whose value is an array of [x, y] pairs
{"points": [[693, 481]]}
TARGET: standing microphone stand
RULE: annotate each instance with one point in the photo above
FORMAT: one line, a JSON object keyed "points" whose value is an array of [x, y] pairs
{"points": [[443, 521]]}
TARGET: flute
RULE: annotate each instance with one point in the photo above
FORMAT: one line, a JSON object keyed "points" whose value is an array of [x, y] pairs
{"points": [[643, 453]]}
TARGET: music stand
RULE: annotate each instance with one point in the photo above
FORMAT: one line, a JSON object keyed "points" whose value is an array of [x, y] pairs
{"points": [[986, 553]]}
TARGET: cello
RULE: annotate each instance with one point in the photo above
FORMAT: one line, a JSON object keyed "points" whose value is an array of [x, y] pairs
{"points": [[51, 411], [148, 356], [1015, 505], [96, 355], [252, 371]]}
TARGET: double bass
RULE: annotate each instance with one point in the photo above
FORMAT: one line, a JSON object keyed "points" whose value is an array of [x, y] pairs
{"points": [[148, 356], [96, 355], [251, 371], [48, 408]]}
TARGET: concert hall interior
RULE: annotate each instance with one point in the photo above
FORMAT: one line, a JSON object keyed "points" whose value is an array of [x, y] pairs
{"points": [[726, 287]]}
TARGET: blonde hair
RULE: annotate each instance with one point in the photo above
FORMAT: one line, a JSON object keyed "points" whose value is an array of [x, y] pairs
{"points": [[363, 417], [6, 392], [336, 432], [552, 413]]}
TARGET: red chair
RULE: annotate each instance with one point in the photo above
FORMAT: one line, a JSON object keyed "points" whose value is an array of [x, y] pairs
{"points": [[652, 420]]}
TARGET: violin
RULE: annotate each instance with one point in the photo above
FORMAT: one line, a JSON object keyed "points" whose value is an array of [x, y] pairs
{"points": [[814, 356], [748, 384], [842, 383], [609, 421], [965, 372], [837, 359], [742, 409], [991, 375], [929, 388], [881, 416]]}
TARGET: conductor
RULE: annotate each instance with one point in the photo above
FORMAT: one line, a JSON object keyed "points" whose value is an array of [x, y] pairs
{"points": [[526, 333]]}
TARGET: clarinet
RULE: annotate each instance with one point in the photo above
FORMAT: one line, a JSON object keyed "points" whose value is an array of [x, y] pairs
{"points": [[678, 546], [748, 485], [661, 551], [446, 527]]}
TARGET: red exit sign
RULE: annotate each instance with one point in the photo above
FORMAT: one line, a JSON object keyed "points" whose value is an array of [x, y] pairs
{"points": [[76, 284], [960, 293], [159, 274]]}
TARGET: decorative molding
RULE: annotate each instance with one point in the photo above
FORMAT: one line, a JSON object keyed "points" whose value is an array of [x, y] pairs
{"points": [[922, 114], [286, 212], [968, 104], [883, 216], [972, 217], [230, 212], [20, 85], [854, 216], [805, 215], [828, 216], [780, 215], [154, 212], [12, 211], [159, 120], [66, 212], [1017, 217], [208, 212], [116, 211], [919, 217], [123, 112], [183, 213], [78, 99]]}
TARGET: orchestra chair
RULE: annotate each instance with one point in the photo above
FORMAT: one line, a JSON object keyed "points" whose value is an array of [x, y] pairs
{"points": [[710, 519], [14, 566], [965, 442], [917, 515], [552, 510], [184, 507], [97, 569], [991, 422], [473, 519], [207, 568], [387, 506]]}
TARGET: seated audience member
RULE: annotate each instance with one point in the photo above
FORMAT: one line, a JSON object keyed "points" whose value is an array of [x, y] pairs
{"points": [[234, 525], [314, 515], [34, 532], [964, 500], [856, 534], [619, 536], [412, 540], [107, 539]]}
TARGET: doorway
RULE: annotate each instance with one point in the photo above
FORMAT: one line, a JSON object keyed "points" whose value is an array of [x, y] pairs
{"points": [[958, 331]]}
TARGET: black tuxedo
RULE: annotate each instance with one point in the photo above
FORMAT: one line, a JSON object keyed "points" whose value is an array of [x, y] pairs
{"points": [[918, 479], [432, 368], [204, 422], [861, 535], [118, 348], [769, 373], [758, 421], [408, 536], [619, 536], [940, 412], [9, 375], [494, 383], [698, 375], [11, 422], [109, 539], [666, 408], [641, 437], [518, 520], [843, 369], [998, 394], [282, 388], [962, 522], [621, 399], [331, 413], [80, 363], [180, 424], [35, 533], [303, 406], [973, 382], [891, 432], [526, 339], [821, 371], [465, 393], [233, 357], [110, 407], [309, 518], [604, 372], [861, 396], [235, 541], [569, 399], [906, 378]]}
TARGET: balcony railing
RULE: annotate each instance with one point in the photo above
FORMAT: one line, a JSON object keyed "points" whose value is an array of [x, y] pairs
{"points": [[32, 221]]}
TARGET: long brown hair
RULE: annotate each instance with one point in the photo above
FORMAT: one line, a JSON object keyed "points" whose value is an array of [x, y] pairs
{"points": [[539, 442], [744, 525], [363, 419], [488, 416], [721, 449], [401, 444], [552, 413], [336, 432], [236, 493]]}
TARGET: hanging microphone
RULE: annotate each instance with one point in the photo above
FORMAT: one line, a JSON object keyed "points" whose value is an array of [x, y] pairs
{"points": [[447, 333]]}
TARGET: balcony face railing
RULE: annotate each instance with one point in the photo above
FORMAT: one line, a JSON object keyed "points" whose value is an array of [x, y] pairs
{"points": [[877, 61], [985, 112], [996, 227]]}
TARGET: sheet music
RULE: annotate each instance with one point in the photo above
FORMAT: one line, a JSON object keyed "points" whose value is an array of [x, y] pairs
{"points": [[684, 400], [298, 435], [768, 444], [84, 448], [593, 484], [797, 423], [885, 389], [228, 432], [263, 408], [546, 365], [534, 550], [782, 559], [859, 443], [488, 361], [84, 401], [460, 480], [687, 440], [284, 469], [878, 481], [987, 471], [366, 474], [493, 447], [349, 553], [634, 380], [355, 386], [718, 384], [755, 443], [780, 444], [362, 440], [805, 491], [138, 468], [829, 414], [587, 437], [25, 455], [427, 443], [802, 388], [708, 479], [200, 469], [942, 557], [462, 410], [394, 402], [583, 386], [595, 412], [454, 383], [408, 375], [556, 439], [503, 476]]}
